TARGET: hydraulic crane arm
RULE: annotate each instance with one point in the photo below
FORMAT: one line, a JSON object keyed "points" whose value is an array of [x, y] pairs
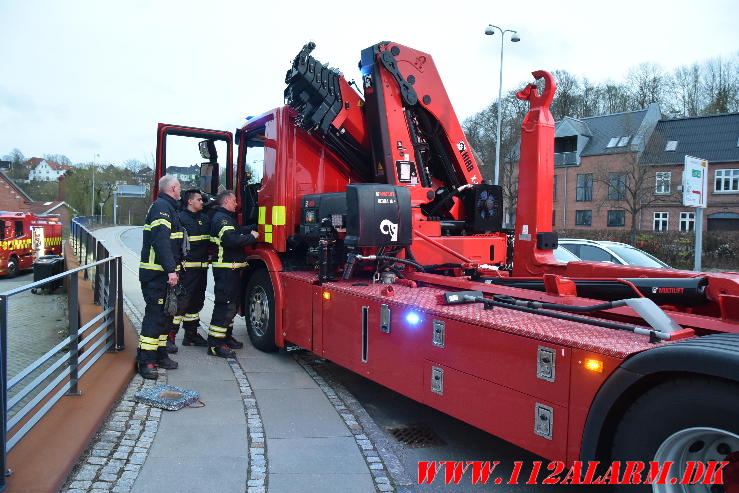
{"points": [[404, 133]]}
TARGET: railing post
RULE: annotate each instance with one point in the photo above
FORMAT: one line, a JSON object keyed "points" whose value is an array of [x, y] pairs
{"points": [[98, 274], [119, 327], [74, 327], [4, 393]]}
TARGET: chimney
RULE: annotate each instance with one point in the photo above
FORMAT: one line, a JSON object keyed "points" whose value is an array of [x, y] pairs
{"points": [[60, 193]]}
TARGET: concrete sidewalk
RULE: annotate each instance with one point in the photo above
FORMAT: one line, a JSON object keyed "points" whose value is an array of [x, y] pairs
{"points": [[269, 424]]}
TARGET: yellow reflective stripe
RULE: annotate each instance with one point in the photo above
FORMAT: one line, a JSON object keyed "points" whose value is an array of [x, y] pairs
{"points": [[196, 264], [148, 343], [268, 237], [159, 221], [230, 265], [176, 235], [150, 266], [191, 317], [177, 319], [151, 254], [278, 215], [199, 238], [216, 331], [223, 230], [267, 228], [162, 340], [262, 215]]}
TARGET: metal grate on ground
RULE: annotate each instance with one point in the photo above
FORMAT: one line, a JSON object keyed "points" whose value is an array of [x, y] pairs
{"points": [[416, 436]]}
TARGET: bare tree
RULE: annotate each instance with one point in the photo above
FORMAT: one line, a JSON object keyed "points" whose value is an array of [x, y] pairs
{"points": [[58, 158], [686, 85], [567, 98], [646, 83], [630, 187], [721, 86]]}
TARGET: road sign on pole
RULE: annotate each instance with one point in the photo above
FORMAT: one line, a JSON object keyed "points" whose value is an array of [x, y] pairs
{"points": [[695, 194]]}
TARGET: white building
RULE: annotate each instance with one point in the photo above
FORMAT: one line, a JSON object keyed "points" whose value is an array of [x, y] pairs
{"points": [[43, 170]]}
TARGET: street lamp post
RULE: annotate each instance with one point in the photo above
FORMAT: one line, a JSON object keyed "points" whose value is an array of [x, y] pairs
{"points": [[490, 30]]}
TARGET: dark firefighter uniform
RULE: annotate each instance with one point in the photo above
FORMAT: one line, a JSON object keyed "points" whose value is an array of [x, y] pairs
{"points": [[228, 265], [193, 277], [161, 253]]}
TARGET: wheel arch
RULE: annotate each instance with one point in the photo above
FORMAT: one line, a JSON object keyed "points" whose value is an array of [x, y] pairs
{"points": [[713, 356]]}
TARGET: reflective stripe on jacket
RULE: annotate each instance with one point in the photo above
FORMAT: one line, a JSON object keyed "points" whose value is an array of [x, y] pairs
{"points": [[229, 239], [161, 248]]}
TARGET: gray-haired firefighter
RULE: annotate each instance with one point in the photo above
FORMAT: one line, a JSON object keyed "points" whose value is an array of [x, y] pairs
{"points": [[160, 263], [228, 266], [194, 276]]}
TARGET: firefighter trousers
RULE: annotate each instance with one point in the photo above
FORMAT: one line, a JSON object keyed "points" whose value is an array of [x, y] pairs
{"points": [[153, 338], [228, 291], [194, 279]]}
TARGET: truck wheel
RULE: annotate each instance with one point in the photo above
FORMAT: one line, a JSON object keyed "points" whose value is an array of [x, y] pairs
{"points": [[682, 420], [259, 310], [13, 266]]}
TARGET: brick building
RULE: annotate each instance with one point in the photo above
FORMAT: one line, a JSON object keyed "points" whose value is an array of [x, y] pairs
{"points": [[14, 199], [606, 164]]}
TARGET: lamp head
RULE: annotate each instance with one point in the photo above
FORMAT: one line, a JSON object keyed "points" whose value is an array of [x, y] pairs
{"points": [[515, 38], [489, 30]]}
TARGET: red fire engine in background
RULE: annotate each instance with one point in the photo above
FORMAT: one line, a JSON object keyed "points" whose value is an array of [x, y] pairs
{"points": [[25, 237], [382, 249]]}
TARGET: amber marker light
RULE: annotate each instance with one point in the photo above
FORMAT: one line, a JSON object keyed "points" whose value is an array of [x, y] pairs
{"points": [[326, 295], [595, 365]]}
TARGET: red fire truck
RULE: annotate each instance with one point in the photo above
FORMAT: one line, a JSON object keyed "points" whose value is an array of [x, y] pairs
{"points": [[382, 249], [24, 237]]}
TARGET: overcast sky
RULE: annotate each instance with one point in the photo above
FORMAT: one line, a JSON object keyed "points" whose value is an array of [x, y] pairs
{"points": [[82, 78]]}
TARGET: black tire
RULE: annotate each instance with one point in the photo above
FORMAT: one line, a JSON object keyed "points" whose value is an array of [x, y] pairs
{"points": [[674, 410], [12, 266], [259, 311]]}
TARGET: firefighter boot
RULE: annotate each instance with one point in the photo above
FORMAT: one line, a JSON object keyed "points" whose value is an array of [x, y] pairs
{"points": [[171, 346], [222, 351], [147, 371], [192, 338], [230, 341], [145, 368], [164, 361]]}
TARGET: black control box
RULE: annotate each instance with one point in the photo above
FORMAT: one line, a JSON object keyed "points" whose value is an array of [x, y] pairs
{"points": [[483, 206], [316, 207], [378, 215]]}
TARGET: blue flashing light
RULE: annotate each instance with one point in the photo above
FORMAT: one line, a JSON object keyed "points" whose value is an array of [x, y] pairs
{"points": [[412, 318]]}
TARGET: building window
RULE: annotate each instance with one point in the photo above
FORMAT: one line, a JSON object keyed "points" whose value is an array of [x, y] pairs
{"points": [[565, 144], [616, 186], [554, 217], [663, 180], [671, 145], [727, 180], [687, 221], [661, 220], [555, 188], [616, 219], [584, 191], [583, 218]]}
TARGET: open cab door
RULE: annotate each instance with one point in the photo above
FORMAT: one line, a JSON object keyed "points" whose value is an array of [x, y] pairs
{"points": [[211, 173]]}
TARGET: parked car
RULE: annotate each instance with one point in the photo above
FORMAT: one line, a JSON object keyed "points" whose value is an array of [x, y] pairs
{"points": [[564, 255], [610, 251]]}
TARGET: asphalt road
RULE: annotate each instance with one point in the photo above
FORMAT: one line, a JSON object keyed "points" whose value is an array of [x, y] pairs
{"points": [[388, 409]]}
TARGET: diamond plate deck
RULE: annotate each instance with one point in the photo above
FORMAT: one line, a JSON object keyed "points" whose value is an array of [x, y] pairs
{"points": [[609, 342]]}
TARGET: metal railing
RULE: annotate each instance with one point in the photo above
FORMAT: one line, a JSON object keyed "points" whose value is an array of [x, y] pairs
{"points": [[70, 359]]}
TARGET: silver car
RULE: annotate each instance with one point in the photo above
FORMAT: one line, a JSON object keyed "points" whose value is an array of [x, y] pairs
{"points": [[610, 251]]}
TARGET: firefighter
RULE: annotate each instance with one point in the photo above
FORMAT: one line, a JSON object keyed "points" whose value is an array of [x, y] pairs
{"points": [[161, 253], [194, 276], [228, 266]]}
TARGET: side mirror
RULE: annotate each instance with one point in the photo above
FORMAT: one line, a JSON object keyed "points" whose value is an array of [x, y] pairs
{"points": [[206, 178]]}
